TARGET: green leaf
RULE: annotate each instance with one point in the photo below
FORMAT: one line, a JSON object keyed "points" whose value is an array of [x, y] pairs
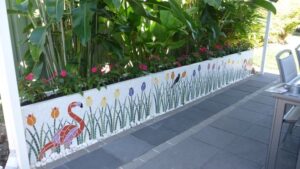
{"points": [[140, 10], [177, 11], [159, 31], [181, 15], [266, 5], [12, 11], [37, 41], [37, 70], [61, 80], [35, 52], [192, 10], [175, 45], [20, 1], [23, 6], [114, 47], [168, 20], [117, 4], [137, 7], [160, 5], [113, 3], [82, 17], [55, 9], [38, 35], [214, 3]]}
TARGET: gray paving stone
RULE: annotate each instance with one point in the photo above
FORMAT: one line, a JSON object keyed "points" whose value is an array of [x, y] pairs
{"points": [[264, 79], [258, 133], [162, 147], [232, 125], [265, 122], [248, 149], [194, 115], [256, 83], [133, 165], [286, 160], [264, 100], [179, 123], [291, 144], [179, 138], [95, 146], [267, 77], [57, 163], [224, 99], [214, 136], [210, 106], [235, 93], [76, 155], [60, 167], [127, 148], [98, 159], [264, 93], [246, 115], [296, 131], [258, 107], [246, 88], [149, 155], [188, 154], [270, 76], [226, 160], [154, 134]]}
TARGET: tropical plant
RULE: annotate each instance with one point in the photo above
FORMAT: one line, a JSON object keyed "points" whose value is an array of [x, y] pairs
{"points": [[82, 44]]}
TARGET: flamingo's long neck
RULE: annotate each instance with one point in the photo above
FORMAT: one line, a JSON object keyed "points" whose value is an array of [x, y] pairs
{"points": [[77, 119]]}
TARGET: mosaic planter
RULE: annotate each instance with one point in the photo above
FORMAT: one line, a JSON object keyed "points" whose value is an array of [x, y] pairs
{"points": [[58, 127]]}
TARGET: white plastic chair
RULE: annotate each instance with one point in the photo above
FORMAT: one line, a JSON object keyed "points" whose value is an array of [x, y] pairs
{"points": [[286, 65], [288, 72]]}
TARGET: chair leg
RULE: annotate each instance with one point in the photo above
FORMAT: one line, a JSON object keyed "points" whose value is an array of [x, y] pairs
{"points": [[290, 131]]}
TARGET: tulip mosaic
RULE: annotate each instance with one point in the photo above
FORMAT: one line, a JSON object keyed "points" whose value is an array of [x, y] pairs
{"points": [[60, 126]]}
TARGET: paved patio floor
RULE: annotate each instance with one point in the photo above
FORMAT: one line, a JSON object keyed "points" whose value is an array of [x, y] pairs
{"points": [[227, 130]]}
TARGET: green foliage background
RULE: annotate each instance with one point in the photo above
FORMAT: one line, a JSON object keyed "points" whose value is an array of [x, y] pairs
{"points": [[77, 35], [285, 21]]}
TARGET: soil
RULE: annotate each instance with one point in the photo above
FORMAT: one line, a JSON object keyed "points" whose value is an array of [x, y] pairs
{"points": [[4, 150]]}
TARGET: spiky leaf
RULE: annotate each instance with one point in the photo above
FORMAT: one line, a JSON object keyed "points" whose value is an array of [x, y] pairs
{"points": [[214, 3], [82, 17], [55, 9]]}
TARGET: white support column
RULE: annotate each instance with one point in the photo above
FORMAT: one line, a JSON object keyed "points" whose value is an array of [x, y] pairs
{"points": [[10, 95], [266, 41]]}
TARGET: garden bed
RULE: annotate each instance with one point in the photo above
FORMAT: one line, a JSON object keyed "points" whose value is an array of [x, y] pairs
{"points": [[98, 114]]}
